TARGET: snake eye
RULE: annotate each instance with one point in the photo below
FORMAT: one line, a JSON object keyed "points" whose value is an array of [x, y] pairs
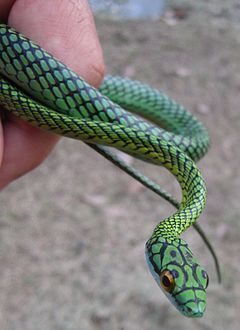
{"points": [[207, 282], [167, 281], [207, 278], [205, 275]]}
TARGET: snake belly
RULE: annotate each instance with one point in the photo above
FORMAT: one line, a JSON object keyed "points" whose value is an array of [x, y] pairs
{"points": [[43, 91]]}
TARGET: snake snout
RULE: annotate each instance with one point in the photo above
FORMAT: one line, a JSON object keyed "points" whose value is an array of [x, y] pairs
{"points": [[195, 309]]}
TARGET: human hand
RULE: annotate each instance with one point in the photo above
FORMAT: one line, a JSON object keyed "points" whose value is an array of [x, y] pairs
{"points": [[66, 29]]}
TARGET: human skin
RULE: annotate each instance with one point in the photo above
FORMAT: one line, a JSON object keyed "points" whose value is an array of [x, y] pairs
{"points": [[66, 29]]}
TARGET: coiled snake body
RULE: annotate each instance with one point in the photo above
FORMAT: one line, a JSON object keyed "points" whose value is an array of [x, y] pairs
{"points": [[43, 91]]}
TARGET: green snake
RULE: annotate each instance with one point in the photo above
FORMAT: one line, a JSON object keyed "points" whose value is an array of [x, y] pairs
{"points": [[133, 118]]}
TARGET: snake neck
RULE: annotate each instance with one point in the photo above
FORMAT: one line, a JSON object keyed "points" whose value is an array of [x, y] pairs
{"points": [[193, 198], [86, 120]]}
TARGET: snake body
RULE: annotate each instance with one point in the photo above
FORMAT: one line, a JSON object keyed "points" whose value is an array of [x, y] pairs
{"points": [[43, 91]]}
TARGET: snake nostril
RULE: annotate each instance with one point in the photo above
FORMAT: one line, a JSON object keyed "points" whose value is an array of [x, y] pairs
{"points": [[189, 309]]}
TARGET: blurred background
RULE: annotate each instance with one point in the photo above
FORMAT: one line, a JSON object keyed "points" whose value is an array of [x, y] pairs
{"points": [[73, 231]]}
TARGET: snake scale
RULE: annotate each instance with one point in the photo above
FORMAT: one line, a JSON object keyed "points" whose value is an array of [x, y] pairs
{"points": [[133, 118]]}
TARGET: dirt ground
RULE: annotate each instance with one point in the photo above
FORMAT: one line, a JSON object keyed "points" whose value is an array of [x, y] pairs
{"points": [[72, 232]]}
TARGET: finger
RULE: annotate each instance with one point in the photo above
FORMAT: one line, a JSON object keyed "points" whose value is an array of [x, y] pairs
{"points": [[25, 147], [5, 7], [67, 31]]}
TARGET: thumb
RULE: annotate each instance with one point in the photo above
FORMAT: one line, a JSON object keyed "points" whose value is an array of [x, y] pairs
{"points": [[65, 29]]}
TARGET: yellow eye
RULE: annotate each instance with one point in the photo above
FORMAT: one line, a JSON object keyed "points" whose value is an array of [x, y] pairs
{"points": [[167, 281]]}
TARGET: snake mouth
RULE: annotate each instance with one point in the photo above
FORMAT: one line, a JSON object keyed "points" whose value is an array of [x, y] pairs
{"points": [[196, 311], [198, 314], [193, 308]]}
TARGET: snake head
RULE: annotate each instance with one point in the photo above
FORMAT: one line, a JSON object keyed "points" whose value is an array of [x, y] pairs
{"points": [[178, 274]]}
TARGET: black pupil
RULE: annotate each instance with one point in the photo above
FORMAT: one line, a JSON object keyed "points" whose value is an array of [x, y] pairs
{"points": [[165, 281]]}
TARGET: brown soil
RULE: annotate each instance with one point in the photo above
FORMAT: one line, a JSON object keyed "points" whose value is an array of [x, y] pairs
{"points": [[73, 231]]}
